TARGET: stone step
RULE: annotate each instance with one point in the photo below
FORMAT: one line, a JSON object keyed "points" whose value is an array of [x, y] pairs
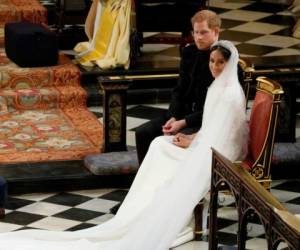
{"points": [[41, 98], [57, 176]]}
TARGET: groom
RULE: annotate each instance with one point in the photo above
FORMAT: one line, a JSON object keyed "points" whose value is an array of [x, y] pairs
{"points": [[186, 107]]}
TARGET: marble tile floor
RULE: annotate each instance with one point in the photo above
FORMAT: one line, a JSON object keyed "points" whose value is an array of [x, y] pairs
{"points": [[258, 29], [78, 209], [70, 211]]}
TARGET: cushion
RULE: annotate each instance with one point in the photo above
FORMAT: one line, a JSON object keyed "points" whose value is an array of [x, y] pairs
{"points": [[112, 163], [30, 44]]}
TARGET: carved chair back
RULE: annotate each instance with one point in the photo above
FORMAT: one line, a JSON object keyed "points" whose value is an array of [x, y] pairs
{"points": [[262, 128]]}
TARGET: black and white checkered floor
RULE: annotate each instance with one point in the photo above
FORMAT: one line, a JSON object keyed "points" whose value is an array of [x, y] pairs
{"points": [[85, 208], [258, 29]]}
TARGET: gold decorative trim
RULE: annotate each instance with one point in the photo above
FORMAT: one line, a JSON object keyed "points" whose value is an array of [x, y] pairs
{"points": [[246, 65], [137, 77], [264, 71], [268, 85], [263, 161]]}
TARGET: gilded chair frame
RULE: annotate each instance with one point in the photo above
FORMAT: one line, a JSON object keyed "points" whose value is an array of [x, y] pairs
{"points": [[250, 197], [260, 169]]}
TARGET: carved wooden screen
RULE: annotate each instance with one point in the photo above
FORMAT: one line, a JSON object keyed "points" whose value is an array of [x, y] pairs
{"points": [[250, 196]]}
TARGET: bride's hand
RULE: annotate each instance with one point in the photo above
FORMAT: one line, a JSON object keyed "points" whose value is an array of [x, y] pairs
{"points": [[182, 140]]}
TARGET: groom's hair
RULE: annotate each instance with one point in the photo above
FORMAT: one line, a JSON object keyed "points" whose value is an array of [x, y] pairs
{"points": [[213, 20]]}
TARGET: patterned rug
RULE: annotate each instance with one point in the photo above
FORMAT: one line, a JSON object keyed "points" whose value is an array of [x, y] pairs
{"points": [[43, 114], [20, 10]]}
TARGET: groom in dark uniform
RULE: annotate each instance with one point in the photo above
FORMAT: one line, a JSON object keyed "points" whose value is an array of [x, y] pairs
{"points": [[186, 107]]}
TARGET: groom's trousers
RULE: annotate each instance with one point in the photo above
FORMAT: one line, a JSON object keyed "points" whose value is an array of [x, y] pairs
{"points": [[146, 133]]}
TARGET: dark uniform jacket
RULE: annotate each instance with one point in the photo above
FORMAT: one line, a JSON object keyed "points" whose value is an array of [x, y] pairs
{"points": [[189, 95]]}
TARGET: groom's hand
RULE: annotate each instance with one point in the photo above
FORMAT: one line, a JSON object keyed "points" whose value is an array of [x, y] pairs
{"points": [[174, 127], [168, 125]]}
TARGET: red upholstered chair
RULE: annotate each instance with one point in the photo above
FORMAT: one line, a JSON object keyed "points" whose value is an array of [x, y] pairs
{"points": [[262, 128]]}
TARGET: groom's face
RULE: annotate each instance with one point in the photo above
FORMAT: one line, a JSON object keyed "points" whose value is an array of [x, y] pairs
{"points": [[204, 36]]}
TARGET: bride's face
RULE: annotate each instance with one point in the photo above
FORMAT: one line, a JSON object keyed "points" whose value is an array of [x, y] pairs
{"points": [[217, 63]]}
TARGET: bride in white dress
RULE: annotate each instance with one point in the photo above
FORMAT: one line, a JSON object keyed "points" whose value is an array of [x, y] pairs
{"points": [[172, 179]]}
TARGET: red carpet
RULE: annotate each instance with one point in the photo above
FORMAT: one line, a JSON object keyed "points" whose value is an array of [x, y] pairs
{"points": [[46, 117], [20, 10]]}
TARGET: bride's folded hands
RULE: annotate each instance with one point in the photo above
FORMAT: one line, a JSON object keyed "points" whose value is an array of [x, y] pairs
{"points": [[183, 140]]}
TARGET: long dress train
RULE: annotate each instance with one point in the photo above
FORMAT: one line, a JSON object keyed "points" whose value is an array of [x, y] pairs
{"points": [[168, 185]]}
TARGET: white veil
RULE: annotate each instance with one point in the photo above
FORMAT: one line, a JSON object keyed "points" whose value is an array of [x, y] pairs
{"points": [[152, 216], [224, 117], [224, 127]]}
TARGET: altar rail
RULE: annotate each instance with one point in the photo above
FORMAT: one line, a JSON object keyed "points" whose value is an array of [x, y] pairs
{"points": [[251, 197]]}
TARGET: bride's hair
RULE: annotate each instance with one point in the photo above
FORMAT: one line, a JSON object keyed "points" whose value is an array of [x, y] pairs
{"points": [[224, 51]]}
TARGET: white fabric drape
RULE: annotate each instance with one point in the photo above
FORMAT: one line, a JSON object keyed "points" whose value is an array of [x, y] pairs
{"points": [[108, 27], [92, 21], [168, 185]]}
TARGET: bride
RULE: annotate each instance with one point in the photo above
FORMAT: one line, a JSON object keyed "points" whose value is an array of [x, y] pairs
{"points": [[173, 178]]}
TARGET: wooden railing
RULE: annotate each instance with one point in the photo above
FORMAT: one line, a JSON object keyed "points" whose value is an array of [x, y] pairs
{"points": [[251, 198]]}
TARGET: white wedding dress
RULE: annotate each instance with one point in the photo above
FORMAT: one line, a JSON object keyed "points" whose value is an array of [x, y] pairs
{"points": [[168, 185]]}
